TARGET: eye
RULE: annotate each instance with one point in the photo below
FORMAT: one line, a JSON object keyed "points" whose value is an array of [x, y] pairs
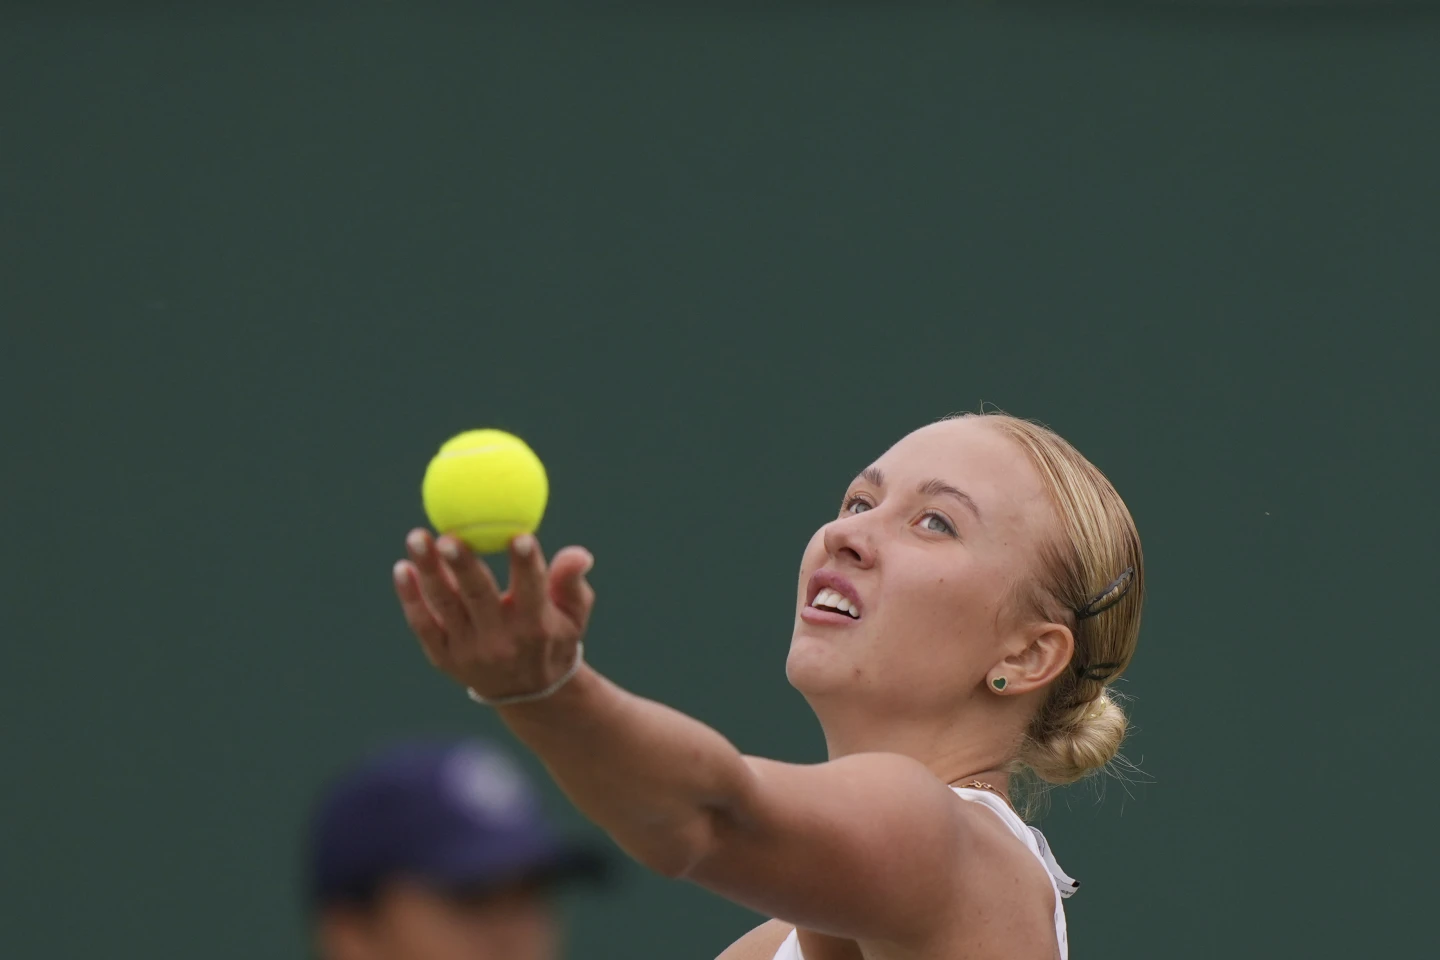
{"points": [[936, 523], [855, 504]]}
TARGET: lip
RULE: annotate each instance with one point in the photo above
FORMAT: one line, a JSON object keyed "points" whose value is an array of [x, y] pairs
{"points": [[828, 579]]}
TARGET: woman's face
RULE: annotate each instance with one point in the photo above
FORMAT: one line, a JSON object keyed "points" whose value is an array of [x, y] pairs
{"points": [[926, 551]]}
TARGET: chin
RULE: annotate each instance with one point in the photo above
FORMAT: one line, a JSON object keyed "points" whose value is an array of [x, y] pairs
{"points": [[815, 666]]}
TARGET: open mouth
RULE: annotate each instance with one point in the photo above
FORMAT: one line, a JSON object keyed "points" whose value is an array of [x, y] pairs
{"points": [[835, 602]]}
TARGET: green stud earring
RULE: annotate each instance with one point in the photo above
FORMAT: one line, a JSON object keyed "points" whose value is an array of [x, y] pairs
{"points": [[998, 683]]}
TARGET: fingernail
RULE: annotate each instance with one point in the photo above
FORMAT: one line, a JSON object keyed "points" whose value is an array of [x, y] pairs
{"points": [[589, 563], [398, 571], [416, 542], [449, 549], [524, 544]]}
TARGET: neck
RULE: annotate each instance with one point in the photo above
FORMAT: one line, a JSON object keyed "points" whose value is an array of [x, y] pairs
{"points": [[955, 749]]}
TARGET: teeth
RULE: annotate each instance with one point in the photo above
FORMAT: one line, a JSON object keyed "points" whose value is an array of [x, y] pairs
{"points": [[835, 601]]}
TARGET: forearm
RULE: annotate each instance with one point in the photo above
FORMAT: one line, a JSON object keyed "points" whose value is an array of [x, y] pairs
{"points": [[659, 782]]}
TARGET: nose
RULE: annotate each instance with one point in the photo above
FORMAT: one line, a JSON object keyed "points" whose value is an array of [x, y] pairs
{"points": [[849, 539]]}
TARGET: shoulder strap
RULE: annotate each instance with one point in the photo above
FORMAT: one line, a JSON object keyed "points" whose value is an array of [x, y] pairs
{"points": [[1063, 882]]}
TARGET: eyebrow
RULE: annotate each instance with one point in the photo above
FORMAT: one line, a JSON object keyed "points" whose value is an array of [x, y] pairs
{"points": [[930, 488], [936, 488]]}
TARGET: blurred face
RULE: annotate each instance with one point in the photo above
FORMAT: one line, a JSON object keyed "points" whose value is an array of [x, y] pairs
{"points": [[905, 598], [409, 922]]}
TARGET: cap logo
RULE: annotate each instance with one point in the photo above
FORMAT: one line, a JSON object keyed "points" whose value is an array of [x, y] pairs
{"points": [[488, 786]]}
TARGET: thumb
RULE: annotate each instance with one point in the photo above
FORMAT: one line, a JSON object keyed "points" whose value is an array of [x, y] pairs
{"points": [[569, 590]]}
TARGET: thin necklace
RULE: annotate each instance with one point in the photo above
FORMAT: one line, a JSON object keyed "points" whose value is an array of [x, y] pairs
{"points": [[982, 785]]}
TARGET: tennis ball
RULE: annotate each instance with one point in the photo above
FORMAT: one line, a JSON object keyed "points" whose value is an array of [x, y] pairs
{"points": [[485, 487]]}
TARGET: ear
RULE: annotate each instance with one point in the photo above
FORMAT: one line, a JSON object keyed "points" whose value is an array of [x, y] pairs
{"points": [[1049, 647]]}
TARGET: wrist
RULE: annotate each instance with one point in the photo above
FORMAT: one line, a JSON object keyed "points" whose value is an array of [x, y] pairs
{"points": [[579, 695], [543, 693]]}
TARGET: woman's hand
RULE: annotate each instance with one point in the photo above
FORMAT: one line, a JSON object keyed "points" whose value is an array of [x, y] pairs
{"points": [[496, 644]]}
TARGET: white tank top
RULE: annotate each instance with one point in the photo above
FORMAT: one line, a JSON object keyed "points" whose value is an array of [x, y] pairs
{"points": [[1034, 841]]}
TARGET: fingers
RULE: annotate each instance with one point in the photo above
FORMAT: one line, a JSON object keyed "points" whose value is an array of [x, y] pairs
{"points": [[417, 612], [437, 583], [527, 578], [483, 639], [569, 590], [473, 580]]}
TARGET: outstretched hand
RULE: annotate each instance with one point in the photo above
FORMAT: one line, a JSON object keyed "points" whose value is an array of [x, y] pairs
{"points": [[497, 644]]}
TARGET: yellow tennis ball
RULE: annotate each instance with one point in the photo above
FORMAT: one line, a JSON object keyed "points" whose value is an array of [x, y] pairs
{"points": [[485, 487]]}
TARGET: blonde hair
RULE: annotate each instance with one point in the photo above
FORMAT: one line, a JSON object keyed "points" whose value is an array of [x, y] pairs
{"points": [[1080, 727]]}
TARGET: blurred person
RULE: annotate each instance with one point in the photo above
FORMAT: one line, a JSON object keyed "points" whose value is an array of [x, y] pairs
{"points": [[437, 851], [960, 621]]}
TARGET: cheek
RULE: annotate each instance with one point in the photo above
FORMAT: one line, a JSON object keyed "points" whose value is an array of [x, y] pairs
{"points": [[955, 606], [435, 932], [519, 931]]}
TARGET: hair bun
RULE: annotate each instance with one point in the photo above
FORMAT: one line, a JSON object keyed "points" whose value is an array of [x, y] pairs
{"points": [[1086, 744]]}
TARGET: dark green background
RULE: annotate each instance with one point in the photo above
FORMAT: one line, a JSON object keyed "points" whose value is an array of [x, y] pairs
{"points": [[257, 265]]}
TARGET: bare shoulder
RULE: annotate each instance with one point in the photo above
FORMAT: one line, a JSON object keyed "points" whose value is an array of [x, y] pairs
{"points": [[993, 850], [1005, 895], [873, 848], [760, 943]]}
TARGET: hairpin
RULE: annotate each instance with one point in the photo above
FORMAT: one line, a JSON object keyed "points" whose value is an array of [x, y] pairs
{"points": [[1108, 597]]}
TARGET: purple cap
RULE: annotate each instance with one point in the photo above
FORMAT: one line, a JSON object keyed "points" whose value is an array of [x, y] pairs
{"points": [[458, 816]]}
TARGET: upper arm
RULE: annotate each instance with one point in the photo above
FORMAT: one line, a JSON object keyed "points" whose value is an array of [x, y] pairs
{"points": [[868, 846]]}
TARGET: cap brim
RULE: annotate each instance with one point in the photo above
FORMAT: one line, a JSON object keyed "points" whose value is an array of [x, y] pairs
{"points": [[472, 871]]}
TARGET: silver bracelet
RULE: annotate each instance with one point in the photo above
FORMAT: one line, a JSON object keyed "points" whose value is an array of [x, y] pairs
{"points": [[538, 695]]}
